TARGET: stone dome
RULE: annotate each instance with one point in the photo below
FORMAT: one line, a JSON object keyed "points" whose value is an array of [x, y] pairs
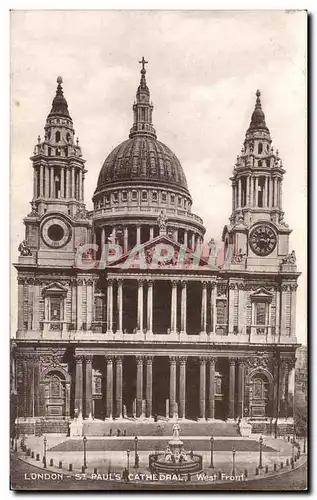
{"points": [[142, 158]]}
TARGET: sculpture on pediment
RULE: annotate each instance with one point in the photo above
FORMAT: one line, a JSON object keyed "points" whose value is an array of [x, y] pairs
{"points": [[34, 212], [161, 222], [24, 249]]}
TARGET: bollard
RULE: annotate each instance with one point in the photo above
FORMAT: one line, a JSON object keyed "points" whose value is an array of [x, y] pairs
{"points": [[219, 475], [298, 454], [266, 469], [245, 472], [44, 462], [60, 464], [287, 462], [32, 454], [51, 462], [28, 452], [292, 463], [256, 471], [70, 467], [37, 457], [288, 438], [95, 470], [282, 465]]}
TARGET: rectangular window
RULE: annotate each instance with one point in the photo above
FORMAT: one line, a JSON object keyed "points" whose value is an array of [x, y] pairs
{"points": [[260, 313], [124, 196], [115, 196], [108, 198], [221, 312], [154, 196], [144, 195], [134, 195], [180, 200], [172, 198], [164, 197]]}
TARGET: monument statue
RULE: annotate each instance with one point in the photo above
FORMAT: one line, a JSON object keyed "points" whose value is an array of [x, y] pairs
{"points": [[24, 250]]}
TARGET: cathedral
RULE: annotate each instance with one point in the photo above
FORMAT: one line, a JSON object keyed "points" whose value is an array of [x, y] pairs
{"points": [[124, 311]]}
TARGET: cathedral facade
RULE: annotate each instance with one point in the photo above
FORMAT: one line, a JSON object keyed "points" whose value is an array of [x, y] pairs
{"points": [[123, 311]]}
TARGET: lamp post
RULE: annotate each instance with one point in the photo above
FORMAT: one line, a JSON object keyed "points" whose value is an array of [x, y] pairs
{"points": [[44, 454], [261, 446], [135, 452], [128, 460], [233, 461], [85, 452], [212, 452]]}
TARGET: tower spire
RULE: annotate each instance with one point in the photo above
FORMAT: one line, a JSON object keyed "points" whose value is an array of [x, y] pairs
{"points": [[258, 117], [59, 104], [142, 108]]}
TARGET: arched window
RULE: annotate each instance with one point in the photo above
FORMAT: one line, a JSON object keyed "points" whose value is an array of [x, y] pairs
{"points": [[260, 148], [57, 136]]}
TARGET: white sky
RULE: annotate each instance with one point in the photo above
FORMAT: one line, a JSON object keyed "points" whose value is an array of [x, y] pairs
{"points": [[203, 71]]}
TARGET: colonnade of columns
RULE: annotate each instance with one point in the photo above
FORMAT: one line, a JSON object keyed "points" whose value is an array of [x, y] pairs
{"points": [[71, 181], [272, 192], [114, 402], [190, 240], [208, 301]]}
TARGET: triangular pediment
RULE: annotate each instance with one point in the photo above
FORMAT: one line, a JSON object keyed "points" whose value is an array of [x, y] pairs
{"points": [[261, 294], [54, 288], [164, 253]]}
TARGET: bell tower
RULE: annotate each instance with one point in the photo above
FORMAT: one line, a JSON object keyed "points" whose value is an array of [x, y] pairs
{"points": [[257, 228], [58, 165]]}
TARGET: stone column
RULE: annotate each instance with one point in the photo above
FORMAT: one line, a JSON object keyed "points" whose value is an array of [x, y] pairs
{"points": [[291, 388], [89, 292], [185, 238], [203, 326], [232, 367], [41, 181], [240, 388], [80, 184], [270, 192], [109, 306], [241, 308], [89, 360], [275, 192], [293, 310], [149, 383], [139, 385], [151, 233], [119, 304], [233, 201], [52, 190], [47, 182], [192, 244], [247, 201], [138, 235], [202, 388], [109, 400], [140, 306], [280, 194], [232, 287], [125, 239], [182, 386], [277, 312], [150, 306], [265, 193], [172, 361], [213, 298], [79, 304], [174, 307], [211, 394], [36, 306], [62, 182], [256, 204], [251, 191], [79, 384], [239, 193], [118, 386], [72, 186], [183, 306], [283, 308]]}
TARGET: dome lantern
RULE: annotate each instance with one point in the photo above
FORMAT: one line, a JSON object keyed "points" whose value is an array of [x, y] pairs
{"points": [[142, 108]]}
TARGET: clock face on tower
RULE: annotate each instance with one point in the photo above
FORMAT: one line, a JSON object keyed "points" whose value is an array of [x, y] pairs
{"points": [[55, 232], [262, 240]]}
